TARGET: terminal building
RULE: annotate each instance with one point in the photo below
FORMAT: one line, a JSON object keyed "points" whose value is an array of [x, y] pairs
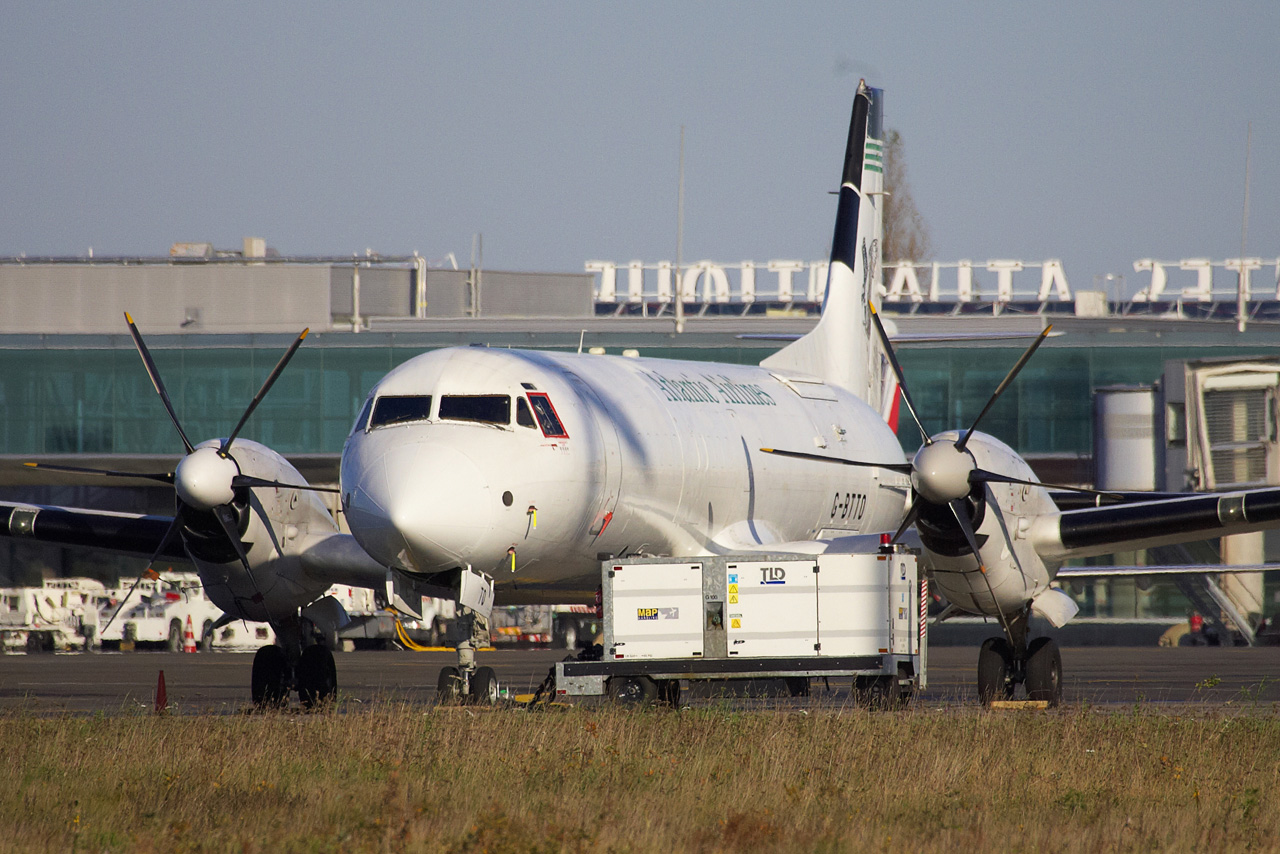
{"points": [[74, 390]]}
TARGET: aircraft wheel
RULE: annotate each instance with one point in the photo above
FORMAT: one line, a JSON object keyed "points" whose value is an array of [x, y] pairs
{"points": [[797, 686], [873, 692], [449, 685], [174, 643], [995, 665], [1044, 671], [317, 676], [484, 686], [206, 636], [270, 682], [632, 690]]}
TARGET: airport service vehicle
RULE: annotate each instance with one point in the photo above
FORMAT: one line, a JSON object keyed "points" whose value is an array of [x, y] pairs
{"points": [[851, 616], [564, 626], [154, 611], [61, 614], [472, 473], [373, 625]]}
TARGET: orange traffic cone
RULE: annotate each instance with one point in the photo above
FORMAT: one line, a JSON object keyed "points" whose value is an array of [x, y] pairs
{"points": [[189, 639]]}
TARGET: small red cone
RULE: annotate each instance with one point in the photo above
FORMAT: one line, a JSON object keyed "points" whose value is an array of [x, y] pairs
{"points": [[189, 639], [162, 696]]}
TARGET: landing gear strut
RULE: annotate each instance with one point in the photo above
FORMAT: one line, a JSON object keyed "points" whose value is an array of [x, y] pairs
{"points": [[1006, 663]]}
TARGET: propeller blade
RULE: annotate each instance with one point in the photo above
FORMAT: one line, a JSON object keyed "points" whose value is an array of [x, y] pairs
{"points": [[166, 477], [1005, 383], [897, 372], [169, 534], [250, 480], [984, 476], [222, 514], [910, 519], [957, 507], [901, 468], [266, 387], [156, 382]]}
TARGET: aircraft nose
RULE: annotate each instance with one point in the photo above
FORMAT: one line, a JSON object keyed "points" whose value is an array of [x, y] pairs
{"points": [[423, 506]]}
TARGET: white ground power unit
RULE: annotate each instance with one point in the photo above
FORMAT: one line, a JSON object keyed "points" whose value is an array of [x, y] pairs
{"points": [[792, 617]]}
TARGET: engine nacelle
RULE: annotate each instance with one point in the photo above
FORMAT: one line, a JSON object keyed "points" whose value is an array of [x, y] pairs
{"points": [[1001, 514], [275, 525]]}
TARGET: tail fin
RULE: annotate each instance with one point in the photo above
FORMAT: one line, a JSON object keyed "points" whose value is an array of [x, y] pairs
{"points": [[841, 349]]}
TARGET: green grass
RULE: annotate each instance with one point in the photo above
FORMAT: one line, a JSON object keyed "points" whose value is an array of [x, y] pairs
{"points": [[402, 778]]}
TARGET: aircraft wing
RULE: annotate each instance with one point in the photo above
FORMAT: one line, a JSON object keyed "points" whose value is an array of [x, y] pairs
{"points": [[1107, 529], [128, 533], [333, 557], [909, 337], [1130, 571], [1080, 500]]}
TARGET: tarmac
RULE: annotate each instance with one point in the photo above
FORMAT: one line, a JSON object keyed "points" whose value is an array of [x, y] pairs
{"points": [[218, 682]]}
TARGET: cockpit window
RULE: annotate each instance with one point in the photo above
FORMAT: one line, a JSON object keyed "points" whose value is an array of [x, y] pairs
{"points": [[398, 410], [485, 408], [363, 421], [547, 418], [524, 415]]}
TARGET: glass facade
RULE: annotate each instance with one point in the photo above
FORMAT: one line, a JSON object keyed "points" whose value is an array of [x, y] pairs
{"points": [[100, 400]]}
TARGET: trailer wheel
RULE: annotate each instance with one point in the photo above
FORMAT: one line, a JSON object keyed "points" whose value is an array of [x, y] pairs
{"points": [[874, 692], [632, 690], [175, 636]]}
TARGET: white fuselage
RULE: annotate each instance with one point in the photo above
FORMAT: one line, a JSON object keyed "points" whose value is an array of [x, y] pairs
{"points": [[653, 456]]}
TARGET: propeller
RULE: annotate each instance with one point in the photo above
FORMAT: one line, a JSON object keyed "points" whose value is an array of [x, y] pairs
{"points": [[206, 479], [943, 472]]}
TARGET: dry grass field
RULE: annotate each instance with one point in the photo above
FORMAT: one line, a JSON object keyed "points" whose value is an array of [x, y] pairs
{"points": [[404, 778]]}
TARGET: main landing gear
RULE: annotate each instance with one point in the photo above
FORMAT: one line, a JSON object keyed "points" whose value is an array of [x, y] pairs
{"points": [[1006, 663], [297, 660], [467, 683]]}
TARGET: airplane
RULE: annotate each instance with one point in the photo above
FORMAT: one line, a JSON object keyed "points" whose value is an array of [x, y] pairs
{"points": [[513, 473]]}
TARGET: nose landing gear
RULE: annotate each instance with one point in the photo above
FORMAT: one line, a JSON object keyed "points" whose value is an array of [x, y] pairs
{"points": [[466, 682]]}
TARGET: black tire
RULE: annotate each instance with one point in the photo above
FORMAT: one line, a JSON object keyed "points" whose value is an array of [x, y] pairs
{"points": [[317, 676], [995, 664], [206, 636], [1044, 671], [797, 686], [449, 685], [669, 693], [270, 682], [484, 687], [633, 690], [873, 692], [174, 643]]}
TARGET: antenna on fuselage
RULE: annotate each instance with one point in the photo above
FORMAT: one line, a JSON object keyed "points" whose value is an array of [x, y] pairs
{"points": [[581, 337]]}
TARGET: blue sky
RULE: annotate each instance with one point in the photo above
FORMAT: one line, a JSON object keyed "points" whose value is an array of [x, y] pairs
{"points": [[1094, 132]]}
